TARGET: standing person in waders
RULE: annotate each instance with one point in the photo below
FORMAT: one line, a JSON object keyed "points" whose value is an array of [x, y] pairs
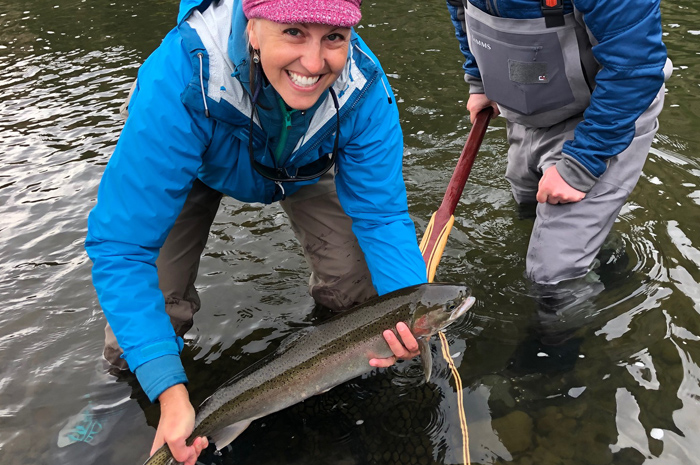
{"points": [[580, 84]]}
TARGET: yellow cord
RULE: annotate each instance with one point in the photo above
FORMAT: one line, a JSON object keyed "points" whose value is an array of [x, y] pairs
{"points": [[460, 401]]}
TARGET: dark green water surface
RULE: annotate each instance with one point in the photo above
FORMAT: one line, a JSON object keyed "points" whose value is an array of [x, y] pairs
{"points": [[620, 388]]}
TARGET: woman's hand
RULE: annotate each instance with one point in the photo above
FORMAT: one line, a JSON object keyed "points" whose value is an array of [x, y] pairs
{"points": [[478, 102], [176, 424], [404, 348]]}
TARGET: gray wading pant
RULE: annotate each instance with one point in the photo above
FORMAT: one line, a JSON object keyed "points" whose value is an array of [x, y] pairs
{"points": [[339, 274], [566, 237]]}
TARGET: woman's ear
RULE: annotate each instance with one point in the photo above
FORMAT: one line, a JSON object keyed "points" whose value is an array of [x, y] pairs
{"points": [[252, 35]]}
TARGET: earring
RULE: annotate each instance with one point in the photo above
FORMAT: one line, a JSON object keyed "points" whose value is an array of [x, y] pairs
{"points": [[256, 56]]}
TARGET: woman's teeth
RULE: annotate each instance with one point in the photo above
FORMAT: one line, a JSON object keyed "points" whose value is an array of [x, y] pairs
{"points": [[303, 81]]}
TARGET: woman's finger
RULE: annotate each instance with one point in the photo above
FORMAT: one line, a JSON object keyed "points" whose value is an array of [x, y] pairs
{"points": [[395, 344], [382, 362], [409, 341]]}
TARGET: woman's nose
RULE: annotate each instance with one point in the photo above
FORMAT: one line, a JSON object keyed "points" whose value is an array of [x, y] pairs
{"points": [[312, 59]]}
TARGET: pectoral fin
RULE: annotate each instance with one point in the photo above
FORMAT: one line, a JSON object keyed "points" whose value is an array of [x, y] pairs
{"points": [[426, 357], [225, 436]]}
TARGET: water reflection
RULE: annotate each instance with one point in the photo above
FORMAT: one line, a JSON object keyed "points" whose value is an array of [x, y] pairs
{"points": [[624, 390]]}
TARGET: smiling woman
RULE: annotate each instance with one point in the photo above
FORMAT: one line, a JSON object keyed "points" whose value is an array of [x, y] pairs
{"points": [[257, 100], [300, 61]]}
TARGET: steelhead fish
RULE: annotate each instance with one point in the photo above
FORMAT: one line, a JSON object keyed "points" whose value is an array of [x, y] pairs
{"points": [[318, 358]]}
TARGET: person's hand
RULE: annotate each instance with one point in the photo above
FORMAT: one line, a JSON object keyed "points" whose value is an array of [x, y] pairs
{"points": [[478, 102], [176, 424], [404, 348], [553, 189]]}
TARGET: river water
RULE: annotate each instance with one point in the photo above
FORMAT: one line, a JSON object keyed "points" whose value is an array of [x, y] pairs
{"points": [[620, 385]]}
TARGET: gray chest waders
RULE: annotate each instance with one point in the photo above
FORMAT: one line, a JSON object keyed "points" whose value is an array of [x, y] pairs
{"points": [[540, 71]]}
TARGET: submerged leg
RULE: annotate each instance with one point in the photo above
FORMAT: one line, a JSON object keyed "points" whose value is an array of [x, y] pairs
{"points": [[566, 238], [339, 274]]}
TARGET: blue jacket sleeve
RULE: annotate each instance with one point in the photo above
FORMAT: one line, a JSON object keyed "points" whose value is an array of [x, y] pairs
{"points": [[632, 55], [141, 194], [372, 192], [456, 9], [471, 71]]}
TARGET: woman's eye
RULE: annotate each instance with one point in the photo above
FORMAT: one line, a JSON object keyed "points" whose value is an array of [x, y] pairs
{"points": [[336, 37], [292, 32]]}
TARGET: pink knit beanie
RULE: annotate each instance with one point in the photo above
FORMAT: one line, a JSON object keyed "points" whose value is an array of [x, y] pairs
{"points": [[342, 13]]}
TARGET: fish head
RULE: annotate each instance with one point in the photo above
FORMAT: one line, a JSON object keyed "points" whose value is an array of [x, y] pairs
{"points": [[438, 306]]}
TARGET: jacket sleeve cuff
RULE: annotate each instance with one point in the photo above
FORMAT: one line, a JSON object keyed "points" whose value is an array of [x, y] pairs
{"points": [[476, 86], [575, 174], [157, 375]]}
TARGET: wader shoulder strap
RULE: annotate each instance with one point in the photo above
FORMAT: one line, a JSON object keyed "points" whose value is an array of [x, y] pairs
{"points": [[553, 12]]}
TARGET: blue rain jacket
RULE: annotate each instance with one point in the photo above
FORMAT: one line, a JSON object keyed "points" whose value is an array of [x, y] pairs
{"points": [[168, 142], [627, 42]]}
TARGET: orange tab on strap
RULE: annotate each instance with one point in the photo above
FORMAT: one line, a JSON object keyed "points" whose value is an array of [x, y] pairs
{"points": [[553, 12]]}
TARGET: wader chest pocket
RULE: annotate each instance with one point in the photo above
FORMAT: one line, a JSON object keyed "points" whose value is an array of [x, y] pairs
{"points": [[526, 73]]}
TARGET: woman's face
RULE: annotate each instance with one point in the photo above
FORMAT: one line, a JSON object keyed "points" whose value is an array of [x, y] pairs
{"points": [[300, 60]]}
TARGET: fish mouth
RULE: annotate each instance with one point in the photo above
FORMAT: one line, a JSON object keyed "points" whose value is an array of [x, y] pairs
{"points": [[462, 309]]}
